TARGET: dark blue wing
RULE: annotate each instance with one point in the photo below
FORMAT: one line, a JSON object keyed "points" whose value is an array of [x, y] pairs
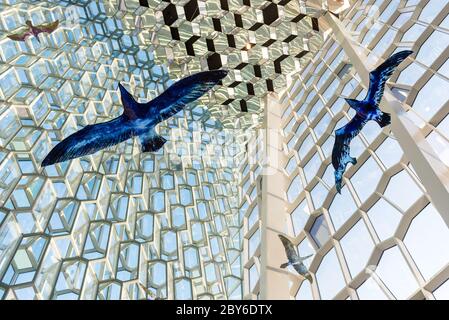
{"points": [[90, 139], [380, 75], [341, 151], [185, 91]]}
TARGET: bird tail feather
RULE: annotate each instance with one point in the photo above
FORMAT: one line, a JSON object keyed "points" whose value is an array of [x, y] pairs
{"points": [[384, 119], [284, 265]]}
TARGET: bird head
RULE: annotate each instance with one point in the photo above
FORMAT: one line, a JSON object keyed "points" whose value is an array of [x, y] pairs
{"points": [[29, 23]]}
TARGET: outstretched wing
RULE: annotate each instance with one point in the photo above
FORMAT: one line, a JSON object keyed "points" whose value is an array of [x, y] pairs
{"points": [[47, 27], [290, 250], [341, 151], [21, 35], [305, 257], [381, 74], [90, 139], [185, 91]]}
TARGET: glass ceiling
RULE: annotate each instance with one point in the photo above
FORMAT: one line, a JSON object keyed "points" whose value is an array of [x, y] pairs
{"points": [[120, 224]]}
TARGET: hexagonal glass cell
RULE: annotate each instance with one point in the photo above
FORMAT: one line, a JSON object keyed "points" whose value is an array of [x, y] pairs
{"points": [[342, 207], [197, 231], [319, 194], [128, 262], [426, 239], [25, 262], [144, 226], [291, 165], [311, 168], [397, 194], [433, 47], [183, 289], [329, 276], [294, 189], [370, 290], [97, 240], [395, 274], [134, 183], [178, 218], [253, 217], [385, 218], [167, 180], [63, 217], [118, 208], [320, 231], [169, 245], [253, 243], [411, 74], [70, 279], [185, 194], [157, 201], [434, 88], [357, 247], [157, 274], [306, 146], [389, 152], [110, 291], [299, 216], [253, 277], [366, 179], [191, 259], [234, 287]]}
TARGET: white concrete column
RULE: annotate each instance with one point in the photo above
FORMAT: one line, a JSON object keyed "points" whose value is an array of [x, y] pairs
{"points": [[273, 280]]}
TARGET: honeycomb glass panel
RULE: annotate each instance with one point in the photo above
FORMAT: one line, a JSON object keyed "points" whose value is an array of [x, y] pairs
{"points": [[357, 247], [370, 290], [427, 249], [396, 274], [186, 221], [329, 276], [396, 193], [385, 218], [299, 217]]}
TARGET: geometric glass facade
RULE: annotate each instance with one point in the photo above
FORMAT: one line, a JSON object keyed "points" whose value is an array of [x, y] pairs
{"points": [[199, 218], [121, 224], [383, 237]]}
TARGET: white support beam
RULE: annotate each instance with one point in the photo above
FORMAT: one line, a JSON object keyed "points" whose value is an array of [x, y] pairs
{"points": [[274, 282]]}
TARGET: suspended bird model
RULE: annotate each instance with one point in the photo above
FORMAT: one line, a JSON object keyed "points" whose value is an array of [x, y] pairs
{"points": [[31, 30], [294, 259], [138, 119], [367, 109]]}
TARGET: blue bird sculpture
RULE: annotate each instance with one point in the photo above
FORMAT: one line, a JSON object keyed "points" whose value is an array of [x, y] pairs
{"points": [[294, 259], [138, 119], [367, 109]]}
